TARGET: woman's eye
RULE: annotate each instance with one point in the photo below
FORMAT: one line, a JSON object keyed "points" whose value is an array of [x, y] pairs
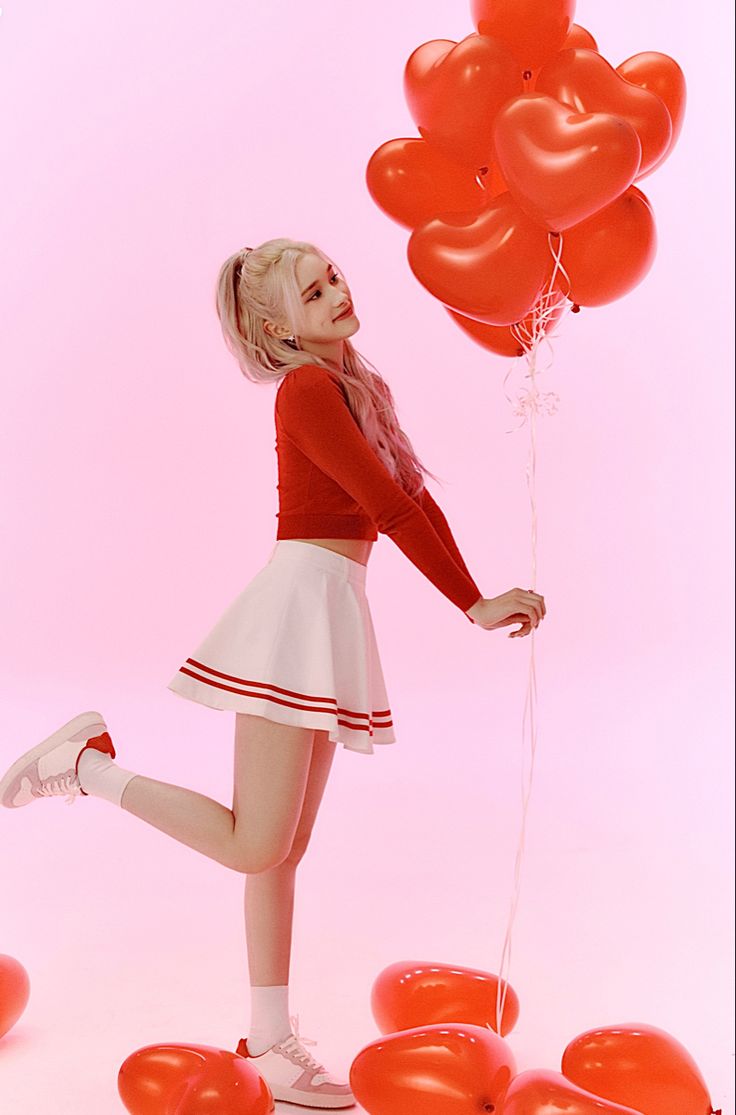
{"points": [[335, 276]]}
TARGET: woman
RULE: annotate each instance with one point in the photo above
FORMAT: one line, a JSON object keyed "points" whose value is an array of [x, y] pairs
{"points": [[295, 655]]}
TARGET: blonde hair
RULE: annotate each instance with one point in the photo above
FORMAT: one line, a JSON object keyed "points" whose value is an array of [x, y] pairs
{"points": [[256, 285]]}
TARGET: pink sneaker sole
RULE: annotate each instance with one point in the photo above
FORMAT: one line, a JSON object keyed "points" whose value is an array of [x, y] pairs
{"points": [[293, 1082]]}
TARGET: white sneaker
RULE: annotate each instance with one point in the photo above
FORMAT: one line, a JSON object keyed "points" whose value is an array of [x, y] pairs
{"points": [[50, 768], [293, 1075]]}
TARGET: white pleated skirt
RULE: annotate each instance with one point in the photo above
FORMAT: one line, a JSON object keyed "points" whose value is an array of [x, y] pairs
{"points": [[297, 646]]}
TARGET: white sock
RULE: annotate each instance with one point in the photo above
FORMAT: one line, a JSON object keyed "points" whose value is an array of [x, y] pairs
{"points": [[269, 1018], [100, 776]]}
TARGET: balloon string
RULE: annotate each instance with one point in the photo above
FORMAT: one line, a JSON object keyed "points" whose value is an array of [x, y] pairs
{"points": [[528, 404]]}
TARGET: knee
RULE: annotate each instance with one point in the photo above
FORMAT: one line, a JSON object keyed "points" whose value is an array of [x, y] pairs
{"points": [[298, 849], [255, 862]]}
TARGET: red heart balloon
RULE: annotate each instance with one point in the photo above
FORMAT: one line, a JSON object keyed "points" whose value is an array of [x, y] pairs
{"points": [[579, 37], [184, 1079], [219, 1090], [638, 1065], [454, 91], [417, 993], [661, 75], [609, 254], [501, 340], [413, 182], [435, 1070], [489, 265], [540, 1091], [494, 182], [585, 81], [530, 30], [563, 166], [15, 990]]}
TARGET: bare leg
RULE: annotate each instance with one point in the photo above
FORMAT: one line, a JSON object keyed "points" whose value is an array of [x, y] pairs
{"points": [[269, 896], [280, 774], [269, 917], [191, 818], [271, 769], [279, 782]]}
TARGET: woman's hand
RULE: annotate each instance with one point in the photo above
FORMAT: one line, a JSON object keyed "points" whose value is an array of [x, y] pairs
{"points": [[516, 606]]}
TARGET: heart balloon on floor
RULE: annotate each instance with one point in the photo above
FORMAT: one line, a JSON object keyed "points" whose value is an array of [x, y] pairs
{"points": [[639, 1066], [15, 990], [418, 993], [185, 1079], [435, 1070], [543, 1092]]}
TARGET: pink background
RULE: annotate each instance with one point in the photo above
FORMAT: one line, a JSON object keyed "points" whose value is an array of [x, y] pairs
{"points": [[142, 145]]}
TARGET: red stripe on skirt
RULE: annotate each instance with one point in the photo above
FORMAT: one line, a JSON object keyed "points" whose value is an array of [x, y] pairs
{"points": [[259, 686]]}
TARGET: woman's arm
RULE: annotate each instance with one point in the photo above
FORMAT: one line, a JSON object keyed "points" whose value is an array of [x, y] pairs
{"points": [[436, 517], [439, 522], [314, 415]]}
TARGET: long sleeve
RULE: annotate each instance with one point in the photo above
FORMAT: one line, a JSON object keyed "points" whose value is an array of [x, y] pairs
{"points": [[437, 518], [316, 418]]}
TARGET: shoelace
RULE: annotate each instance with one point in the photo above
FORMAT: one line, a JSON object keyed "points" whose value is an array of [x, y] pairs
{"points": [[295, 1040], [61, 784]]}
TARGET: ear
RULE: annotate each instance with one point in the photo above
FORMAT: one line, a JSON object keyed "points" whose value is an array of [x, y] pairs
{"points": [[274, 330]]}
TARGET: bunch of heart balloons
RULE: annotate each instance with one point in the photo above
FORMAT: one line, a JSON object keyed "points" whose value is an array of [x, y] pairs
{"points": [[441, 1055], [520, 188]]}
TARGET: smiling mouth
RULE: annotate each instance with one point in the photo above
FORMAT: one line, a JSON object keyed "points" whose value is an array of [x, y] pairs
{"points": [[347, 313]]}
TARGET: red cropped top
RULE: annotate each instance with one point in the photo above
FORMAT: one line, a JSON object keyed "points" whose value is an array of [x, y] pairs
{"points": [[331, 484]]}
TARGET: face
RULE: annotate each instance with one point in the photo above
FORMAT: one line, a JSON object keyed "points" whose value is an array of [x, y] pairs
{"points": [[324, 295]]}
